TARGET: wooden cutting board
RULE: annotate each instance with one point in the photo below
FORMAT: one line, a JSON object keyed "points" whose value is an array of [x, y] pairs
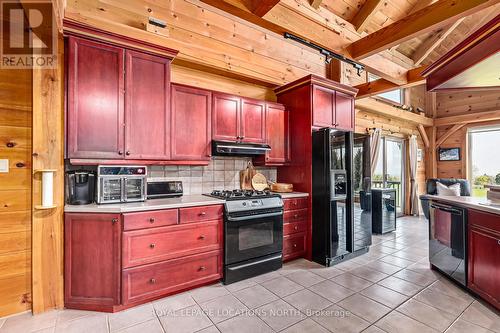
{"points": [[259, 182], [246, 176]]}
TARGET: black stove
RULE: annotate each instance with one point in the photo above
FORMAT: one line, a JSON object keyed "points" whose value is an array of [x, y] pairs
{"points": [[253, 233], [241, 194]]}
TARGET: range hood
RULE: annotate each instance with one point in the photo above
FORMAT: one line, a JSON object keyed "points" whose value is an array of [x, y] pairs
{"points": [[228, 148]]}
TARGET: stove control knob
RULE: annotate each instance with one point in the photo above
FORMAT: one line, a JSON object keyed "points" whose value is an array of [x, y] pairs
{"points": [[244, 203]]}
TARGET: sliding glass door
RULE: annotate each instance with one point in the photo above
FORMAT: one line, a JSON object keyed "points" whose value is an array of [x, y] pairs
{"points": [[390, 169]]}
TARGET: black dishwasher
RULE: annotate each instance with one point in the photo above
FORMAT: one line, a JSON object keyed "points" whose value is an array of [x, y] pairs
{"points": [[447, 240]]}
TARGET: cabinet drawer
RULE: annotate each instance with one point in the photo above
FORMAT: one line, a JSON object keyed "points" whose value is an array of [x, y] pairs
{"points": [[294, 245], [296, 203], [294, 215], [294, 227], [485, 220], [149, 281], [156, 218], [152, 245], [200, 213]]}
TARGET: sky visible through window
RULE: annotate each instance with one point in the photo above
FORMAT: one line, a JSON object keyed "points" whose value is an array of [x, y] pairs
{"points": [[484, 158]]}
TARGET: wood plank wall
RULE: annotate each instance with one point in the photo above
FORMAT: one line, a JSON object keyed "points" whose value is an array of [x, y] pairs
{"points": [[459, 103], [15, 190]]}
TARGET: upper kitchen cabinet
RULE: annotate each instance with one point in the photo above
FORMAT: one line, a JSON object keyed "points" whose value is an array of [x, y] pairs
{"points": [[226, 117], [95, 100], [323, 103], [238, 119], [147, 112], [118, 101], [278, 136], [191, 114]]}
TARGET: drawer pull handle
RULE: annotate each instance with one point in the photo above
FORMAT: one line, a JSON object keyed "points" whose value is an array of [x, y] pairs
{"points": [[296, 228], [203, 214], [152, 281], [202, 268], [152, 220], [296, 216], [295, 203], [202, 237], [294, 246], [115, 220], [152, 245]]}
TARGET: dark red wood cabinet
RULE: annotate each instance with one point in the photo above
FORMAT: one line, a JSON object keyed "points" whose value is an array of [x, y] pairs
{"points": [[332, 108], [95, 100], [344, 111], [484, 255], [118, 102], [92, 260], [147, 112], [237, 118], [278, 136], [191, 130]]}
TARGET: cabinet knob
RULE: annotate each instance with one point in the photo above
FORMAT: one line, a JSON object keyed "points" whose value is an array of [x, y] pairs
{"points": [[115, 220], [296, 228], [120, 152], [242, 137], [499, 242], [295, 203], [296, 216], [152, 281], [201, 237], [127, 153], [152, 220], [203, 213], [202, 268], [294, 245], [152, 245]]}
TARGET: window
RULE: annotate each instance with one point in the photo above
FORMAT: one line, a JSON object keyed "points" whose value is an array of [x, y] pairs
{"points": [[484, 162], [393, 96]]}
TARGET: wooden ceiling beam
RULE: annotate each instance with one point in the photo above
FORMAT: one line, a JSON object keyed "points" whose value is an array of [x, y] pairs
{"points": [[366, 13], [423, 135], [368, 89], [315, 3], [260, 7], [473, 117], [432, 17], [431, 43], [448, 133], [374, 106]]}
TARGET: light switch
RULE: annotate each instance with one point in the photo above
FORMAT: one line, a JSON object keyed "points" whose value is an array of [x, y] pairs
{"points": [[4, 165]]}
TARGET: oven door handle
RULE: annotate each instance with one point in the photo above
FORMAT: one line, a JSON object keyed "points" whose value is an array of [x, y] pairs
{"points": [[252, 217], [279, 256], [447, 209]]}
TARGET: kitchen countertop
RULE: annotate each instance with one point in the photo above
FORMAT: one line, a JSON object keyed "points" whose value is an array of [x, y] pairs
{"points": [[467, 202], [155, 204]]}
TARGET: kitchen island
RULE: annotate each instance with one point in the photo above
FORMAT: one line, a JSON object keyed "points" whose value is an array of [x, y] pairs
{"points": [[469, 229]]}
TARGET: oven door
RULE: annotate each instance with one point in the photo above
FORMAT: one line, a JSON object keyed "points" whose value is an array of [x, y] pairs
{"points": [[134, 189], [250, 237], [109, 190]]}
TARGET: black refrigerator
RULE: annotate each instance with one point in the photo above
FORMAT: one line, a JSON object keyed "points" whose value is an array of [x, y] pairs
{"points": [[341, 225]]}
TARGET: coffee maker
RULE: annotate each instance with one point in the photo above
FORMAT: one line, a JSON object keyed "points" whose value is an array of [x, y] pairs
{"points": [[80, 187]]}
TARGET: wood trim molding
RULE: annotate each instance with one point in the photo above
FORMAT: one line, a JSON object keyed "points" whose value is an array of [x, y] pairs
{"points": [[74, 28], [318, 80], [260, 7], [475, 117], [448, 133], [432, 17]]}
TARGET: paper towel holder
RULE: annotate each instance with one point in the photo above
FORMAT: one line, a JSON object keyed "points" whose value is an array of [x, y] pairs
{"points": [[48, 184]]}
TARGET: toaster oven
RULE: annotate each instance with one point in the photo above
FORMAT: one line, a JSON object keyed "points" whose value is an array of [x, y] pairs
{"points": [[117, 184]]}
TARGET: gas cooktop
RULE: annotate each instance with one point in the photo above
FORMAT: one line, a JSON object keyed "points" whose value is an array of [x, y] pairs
{"points": [[241, 194]]}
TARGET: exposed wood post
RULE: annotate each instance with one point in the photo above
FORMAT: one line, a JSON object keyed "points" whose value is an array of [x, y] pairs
{"points": [[335, 71], [448, 133], [47, 225], [431, 153]]}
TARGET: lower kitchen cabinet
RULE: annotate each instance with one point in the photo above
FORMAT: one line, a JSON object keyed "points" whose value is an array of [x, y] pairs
{"points": [[484, 256], [115, 261], [295, 224], [92, 261]]}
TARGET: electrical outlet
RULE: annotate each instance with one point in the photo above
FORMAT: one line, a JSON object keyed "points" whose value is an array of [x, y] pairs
{"points": [[4, 165]]}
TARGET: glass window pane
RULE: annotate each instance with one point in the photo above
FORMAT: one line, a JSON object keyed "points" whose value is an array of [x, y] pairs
{"points": [[484, 165]]}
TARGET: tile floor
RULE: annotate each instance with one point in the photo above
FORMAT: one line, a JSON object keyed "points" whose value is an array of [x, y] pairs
{"points": [[389, 289]]}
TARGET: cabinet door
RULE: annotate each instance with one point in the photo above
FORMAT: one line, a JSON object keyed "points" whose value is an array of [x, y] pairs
{"points": [[147, 115], [484, 264], [253, 121], [95, 100], [225, 117], [323, 107], [277, 128], [191, 123], [344, 111], [92, 261]]}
